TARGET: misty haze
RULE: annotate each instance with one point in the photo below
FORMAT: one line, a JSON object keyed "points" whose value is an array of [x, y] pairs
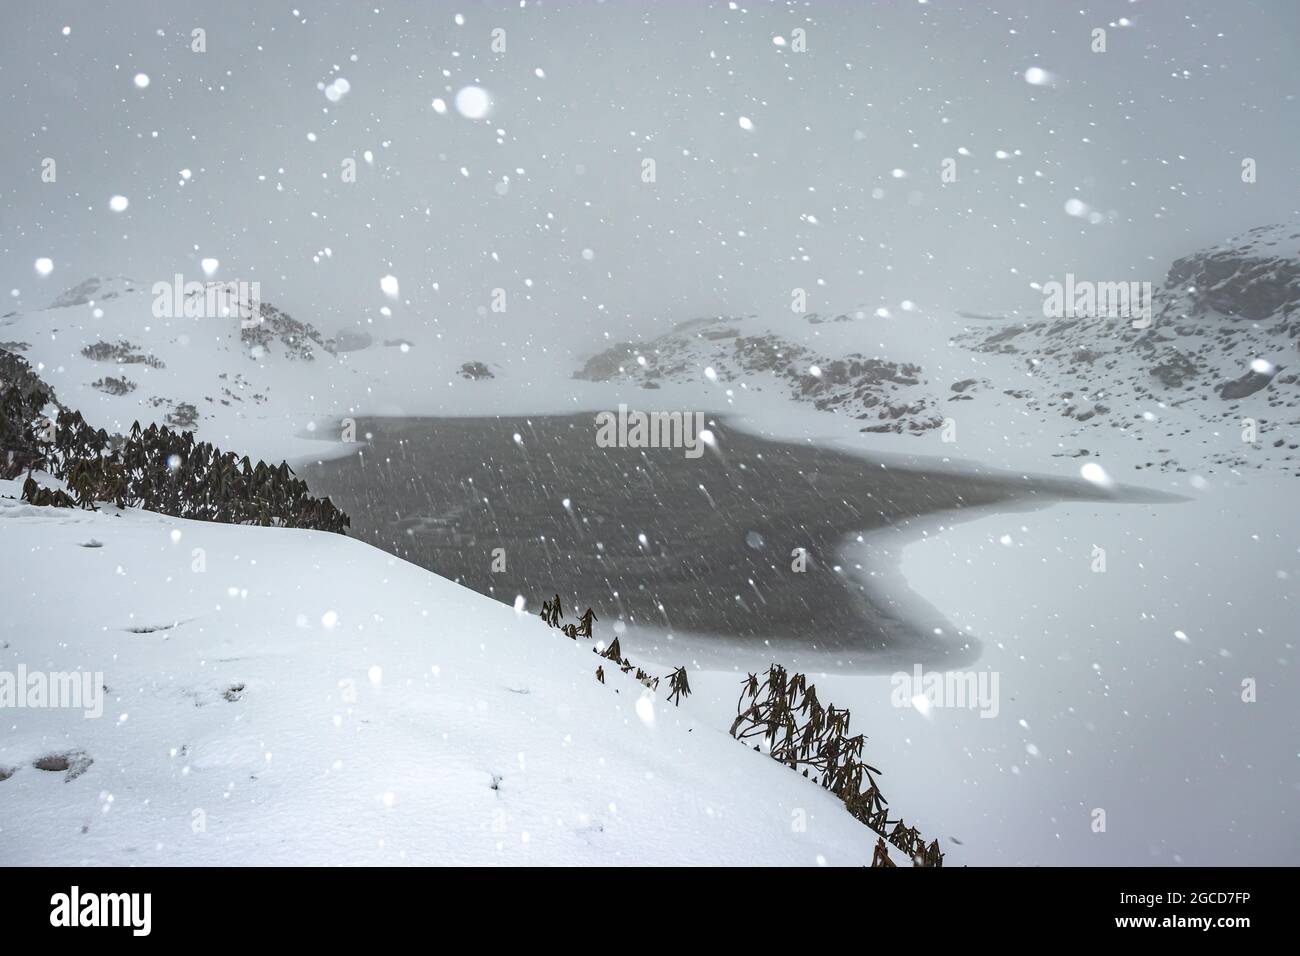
{"points": [[521, 433]]}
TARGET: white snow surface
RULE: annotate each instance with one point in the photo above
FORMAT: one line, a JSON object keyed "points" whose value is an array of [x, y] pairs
{"points": [[427, 725]]}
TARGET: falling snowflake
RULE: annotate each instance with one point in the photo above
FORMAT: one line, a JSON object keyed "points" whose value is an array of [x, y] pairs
{"points": [[473, 102]]}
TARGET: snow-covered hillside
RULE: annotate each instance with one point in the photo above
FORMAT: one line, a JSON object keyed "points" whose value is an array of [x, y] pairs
{"points": [[275, 696]]}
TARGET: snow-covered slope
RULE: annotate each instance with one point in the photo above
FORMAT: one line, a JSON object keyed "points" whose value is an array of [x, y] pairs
{"points": [[278, 696]]}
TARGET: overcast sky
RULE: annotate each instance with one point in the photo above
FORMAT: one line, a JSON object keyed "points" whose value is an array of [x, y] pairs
{"points": [[775, 168]]}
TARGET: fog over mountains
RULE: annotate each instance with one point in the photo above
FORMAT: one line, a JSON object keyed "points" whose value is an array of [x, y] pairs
{"points": [[832, 185], [1046, 552]]}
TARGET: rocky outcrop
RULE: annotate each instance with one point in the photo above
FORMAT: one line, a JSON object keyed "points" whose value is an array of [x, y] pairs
{"points": [[1224, 331], [298, 339], [887, 396]]}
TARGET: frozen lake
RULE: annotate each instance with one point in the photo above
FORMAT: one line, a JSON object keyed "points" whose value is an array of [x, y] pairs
{"points": [[655, 538]]}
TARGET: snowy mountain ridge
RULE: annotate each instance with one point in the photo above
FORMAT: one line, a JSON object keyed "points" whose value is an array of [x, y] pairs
{"points": [[1221, 351], [890, 395], [1221, 348]]}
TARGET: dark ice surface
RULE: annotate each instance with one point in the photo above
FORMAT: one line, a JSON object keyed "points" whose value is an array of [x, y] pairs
{"points": [[658, 539]]}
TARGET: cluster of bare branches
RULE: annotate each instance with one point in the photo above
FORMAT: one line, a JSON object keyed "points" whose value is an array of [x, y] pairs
{"points": [[880, 855], [553, 614], [615, 654], [782, 712], [678, 685]]}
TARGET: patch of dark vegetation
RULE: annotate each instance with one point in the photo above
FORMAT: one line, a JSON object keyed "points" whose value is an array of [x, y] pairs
{"points": [[153, 468], [23, 425], [160, 470], [114, 386], [233, 693], [122, 352], [783, 712], [6, 773], [475, 370], [37, 494]]}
